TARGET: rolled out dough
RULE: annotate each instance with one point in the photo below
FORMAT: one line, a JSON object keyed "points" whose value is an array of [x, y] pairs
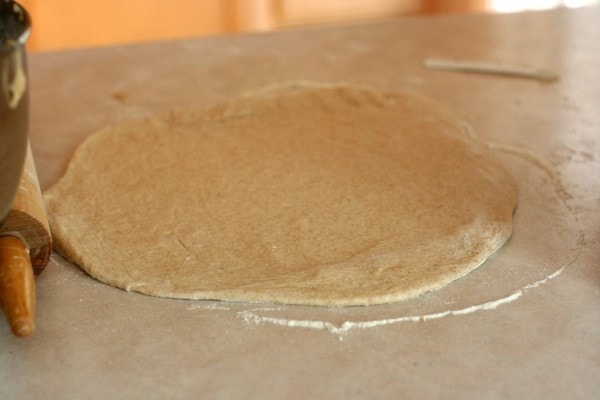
{"points": [[302, 194]]}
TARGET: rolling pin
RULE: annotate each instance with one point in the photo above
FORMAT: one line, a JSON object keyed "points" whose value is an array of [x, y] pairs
{"points": [[25, 249]]}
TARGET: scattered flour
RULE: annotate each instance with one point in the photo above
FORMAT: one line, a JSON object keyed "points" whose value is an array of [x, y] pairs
{"points": [[252, 316]]}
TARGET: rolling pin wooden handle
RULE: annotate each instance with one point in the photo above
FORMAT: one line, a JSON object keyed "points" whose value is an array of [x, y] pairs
{"points": [[17, 286], [25, 248]]}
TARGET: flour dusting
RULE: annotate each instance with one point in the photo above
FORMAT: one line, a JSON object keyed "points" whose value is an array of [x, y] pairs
{"points": [[252, 316]]}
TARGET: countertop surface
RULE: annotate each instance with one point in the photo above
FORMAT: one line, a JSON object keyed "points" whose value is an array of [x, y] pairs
{"points": [[524, 325]]}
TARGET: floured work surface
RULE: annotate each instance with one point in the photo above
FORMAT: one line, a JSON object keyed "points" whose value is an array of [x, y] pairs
{"points": [[115, 344], [301, 194]]}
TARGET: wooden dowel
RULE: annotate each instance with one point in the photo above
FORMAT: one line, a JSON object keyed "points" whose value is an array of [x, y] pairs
{"points": [[17, 288], [487, 68]]}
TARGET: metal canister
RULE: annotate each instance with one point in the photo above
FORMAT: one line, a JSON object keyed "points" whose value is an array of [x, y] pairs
{"points": [[14, 31]]}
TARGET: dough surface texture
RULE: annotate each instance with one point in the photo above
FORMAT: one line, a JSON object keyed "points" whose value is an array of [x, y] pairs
{"points": [[300, 194]]}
